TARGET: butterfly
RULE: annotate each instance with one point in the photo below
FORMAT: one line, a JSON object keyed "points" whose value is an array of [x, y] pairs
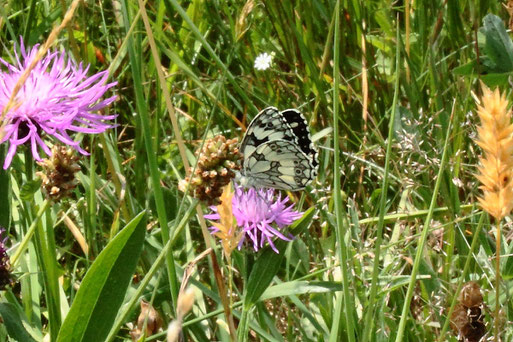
{"points": [[278, 151]]}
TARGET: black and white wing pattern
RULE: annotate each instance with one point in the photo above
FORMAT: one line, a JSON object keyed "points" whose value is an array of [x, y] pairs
{"points": [[278, 151]]}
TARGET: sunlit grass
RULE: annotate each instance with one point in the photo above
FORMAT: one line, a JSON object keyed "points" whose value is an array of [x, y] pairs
{"points": [[394, 118]]}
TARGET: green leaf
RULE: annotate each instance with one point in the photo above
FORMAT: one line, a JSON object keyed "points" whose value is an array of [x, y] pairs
{"points": [[496, 79], [466, 69], [29, 189], [298, 287], [104, 286], [507, 270], [499, 47], [13, 323], [507, 274], [268, 264]]}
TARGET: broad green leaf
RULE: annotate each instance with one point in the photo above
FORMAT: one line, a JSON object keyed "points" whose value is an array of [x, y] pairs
{"points": [[496, 79], [268, 264], [499, 47], [496, 64], [104, 286], [13, 323]]}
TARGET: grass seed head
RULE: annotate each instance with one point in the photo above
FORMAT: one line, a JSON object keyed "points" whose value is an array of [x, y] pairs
{"points": [[496, 163]]}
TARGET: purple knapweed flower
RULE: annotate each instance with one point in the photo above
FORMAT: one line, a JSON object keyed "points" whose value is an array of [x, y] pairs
{"points": [[261, 214], [57, 97]]}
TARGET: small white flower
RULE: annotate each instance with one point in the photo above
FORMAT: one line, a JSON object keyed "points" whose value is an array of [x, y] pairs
{"points": [[263, 61]]}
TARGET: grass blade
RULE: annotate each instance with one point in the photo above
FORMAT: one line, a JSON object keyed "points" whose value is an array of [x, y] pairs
{"points": [[13, 323], [341, 219]]}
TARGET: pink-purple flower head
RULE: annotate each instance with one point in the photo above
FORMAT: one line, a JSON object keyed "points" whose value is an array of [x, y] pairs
{"points": [[262, 215], [56, 98]]}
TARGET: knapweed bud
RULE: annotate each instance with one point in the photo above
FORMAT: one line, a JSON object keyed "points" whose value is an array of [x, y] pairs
{"points": [[217, 162], [58, 174]]}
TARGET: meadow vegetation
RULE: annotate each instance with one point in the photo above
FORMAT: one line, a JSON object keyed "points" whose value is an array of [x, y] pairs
{"points": [[405, 233]]}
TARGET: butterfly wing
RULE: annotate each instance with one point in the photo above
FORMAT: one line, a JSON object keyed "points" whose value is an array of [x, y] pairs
{"points": [[300, 131], [266, 126], [271, 124], [278, 151], [279, 164]]}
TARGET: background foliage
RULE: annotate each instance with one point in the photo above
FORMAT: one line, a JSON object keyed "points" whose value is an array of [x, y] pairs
{"points": [[399, 72]]}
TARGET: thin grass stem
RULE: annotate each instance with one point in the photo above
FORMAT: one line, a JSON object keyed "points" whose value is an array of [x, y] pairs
{"points": [[423, 237], [459, 286], [497, 321], [341, 220], [24, 243], [369, 314]]}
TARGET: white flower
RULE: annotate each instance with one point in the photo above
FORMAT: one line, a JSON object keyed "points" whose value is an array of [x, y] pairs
{"points": [[263, 61]]}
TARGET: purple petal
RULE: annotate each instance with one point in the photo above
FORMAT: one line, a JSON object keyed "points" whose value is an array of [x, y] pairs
{"points": [[58, 97]]}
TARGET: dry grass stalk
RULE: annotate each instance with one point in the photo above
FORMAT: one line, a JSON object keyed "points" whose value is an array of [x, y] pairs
{"points": [[496, 163], [184, 305]]}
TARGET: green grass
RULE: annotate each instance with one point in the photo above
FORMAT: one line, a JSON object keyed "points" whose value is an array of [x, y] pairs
{"points": [[398, 184]]}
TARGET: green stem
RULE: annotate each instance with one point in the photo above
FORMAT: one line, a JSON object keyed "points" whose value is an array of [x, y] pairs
{"points": [[410, 215], [423, 237], [369, 314], [144, 120], [44, 243], [194, 29], [497, 322], [24, 243], [462, 277], [243, 330], [341, 219]]}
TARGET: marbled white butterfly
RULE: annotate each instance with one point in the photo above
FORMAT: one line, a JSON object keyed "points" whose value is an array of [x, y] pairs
{"points": [[278, 151]]}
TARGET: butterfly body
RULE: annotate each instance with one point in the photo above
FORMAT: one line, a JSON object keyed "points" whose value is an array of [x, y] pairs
{"points": [[278, 151]]}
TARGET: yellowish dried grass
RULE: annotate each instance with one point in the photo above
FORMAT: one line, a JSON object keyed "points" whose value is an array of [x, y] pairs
{"points": [[228, 232]]}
